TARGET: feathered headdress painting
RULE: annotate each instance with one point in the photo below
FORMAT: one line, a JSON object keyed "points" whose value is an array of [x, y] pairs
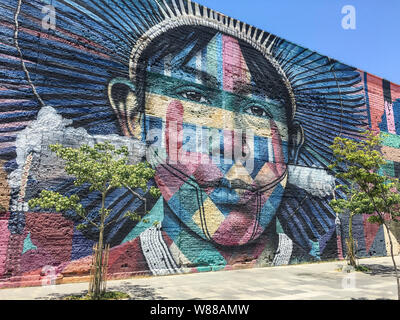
{"points": [[69, 68]]}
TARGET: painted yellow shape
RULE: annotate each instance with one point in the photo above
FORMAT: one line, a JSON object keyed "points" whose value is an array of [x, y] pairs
{"points": [[214, 217], [237, 171], [391, 154], [4, 188], [213, 117], [396, 245]]}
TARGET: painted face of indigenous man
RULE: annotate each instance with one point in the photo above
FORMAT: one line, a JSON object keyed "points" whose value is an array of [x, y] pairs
{"points": [[216, 115]]}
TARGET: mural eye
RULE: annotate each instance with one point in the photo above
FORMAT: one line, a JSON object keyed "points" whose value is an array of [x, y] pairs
{"points": [[194, 96], [257, 111]]}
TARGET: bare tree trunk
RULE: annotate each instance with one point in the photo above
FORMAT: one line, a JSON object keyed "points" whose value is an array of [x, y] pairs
{"points": [[98, 275], [394, 261], [350, 243]]}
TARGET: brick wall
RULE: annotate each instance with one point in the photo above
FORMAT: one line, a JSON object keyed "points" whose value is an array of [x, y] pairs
{"points": [[242, 121]]}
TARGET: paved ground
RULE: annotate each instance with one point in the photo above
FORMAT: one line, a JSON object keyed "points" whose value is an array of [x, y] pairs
{"points": [[321, 281]]}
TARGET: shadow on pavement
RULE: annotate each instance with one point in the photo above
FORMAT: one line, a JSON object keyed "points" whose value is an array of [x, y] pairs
{"points": [[136, 292], [378, 269], [370, 299], [60, 296]]}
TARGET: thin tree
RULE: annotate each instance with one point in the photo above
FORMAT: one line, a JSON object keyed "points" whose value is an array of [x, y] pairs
{"points": [[348, 209], [103, 168], [368, 189]]}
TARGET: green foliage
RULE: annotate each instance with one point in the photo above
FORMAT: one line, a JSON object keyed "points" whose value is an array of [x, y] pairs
{"points": [[359, 163], [58, 202], [155, 192], [104, 168], [362, 268], [110, 295], [133, 216], [81, 227]]}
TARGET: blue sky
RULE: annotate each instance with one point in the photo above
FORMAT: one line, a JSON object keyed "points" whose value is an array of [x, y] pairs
{"points": [[374, 46]]}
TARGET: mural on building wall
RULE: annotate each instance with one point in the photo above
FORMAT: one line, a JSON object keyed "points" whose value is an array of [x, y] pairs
{"points": [[236, 121]]}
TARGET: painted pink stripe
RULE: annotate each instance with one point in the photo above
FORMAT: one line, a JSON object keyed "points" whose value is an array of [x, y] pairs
{"points": [[44, 35], [7, 144], [71, 35], [190, 160], [174, 130], [277, 146], [8, 134], [390, 117], [228, 144], [4, 236], [15, 124], [6, 56], [162, 185], [13, 100], [376, 101], [231, 57]]}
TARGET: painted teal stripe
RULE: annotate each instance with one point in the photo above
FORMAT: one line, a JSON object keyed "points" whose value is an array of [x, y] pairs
{"points": [[390, 140], [156, 214], [212, 58], [220, 61]]}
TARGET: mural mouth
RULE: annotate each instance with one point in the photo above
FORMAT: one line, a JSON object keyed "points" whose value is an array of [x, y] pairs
{"points": [[227, 184], [243, 222], [227, 196], [240, 185]]}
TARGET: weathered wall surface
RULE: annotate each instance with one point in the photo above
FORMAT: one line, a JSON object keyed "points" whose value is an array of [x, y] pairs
{"points": [[241, 120]]}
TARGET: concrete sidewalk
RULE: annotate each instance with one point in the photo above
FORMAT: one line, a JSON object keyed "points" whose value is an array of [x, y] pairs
{"points": [[320, 281]]}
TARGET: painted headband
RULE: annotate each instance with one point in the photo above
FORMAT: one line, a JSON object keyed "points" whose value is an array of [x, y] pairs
{"points": [[178, 16]]}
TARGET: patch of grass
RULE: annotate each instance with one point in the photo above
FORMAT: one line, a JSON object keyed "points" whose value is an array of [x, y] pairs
{"points": [[109, 295], [362, 268]]}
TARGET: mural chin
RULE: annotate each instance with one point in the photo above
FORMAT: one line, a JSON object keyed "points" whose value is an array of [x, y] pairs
{"points": [[246, 221], [216, 211]]}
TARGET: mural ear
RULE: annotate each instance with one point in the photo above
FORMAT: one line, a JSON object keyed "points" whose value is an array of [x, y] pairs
{"points": [[122, 97], [296, 141]]}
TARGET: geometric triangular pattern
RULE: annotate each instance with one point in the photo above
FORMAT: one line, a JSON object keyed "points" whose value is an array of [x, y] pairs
{"points": [[212, 217], [238, 171], [378, 245], [28, 245], [370, 232]]}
